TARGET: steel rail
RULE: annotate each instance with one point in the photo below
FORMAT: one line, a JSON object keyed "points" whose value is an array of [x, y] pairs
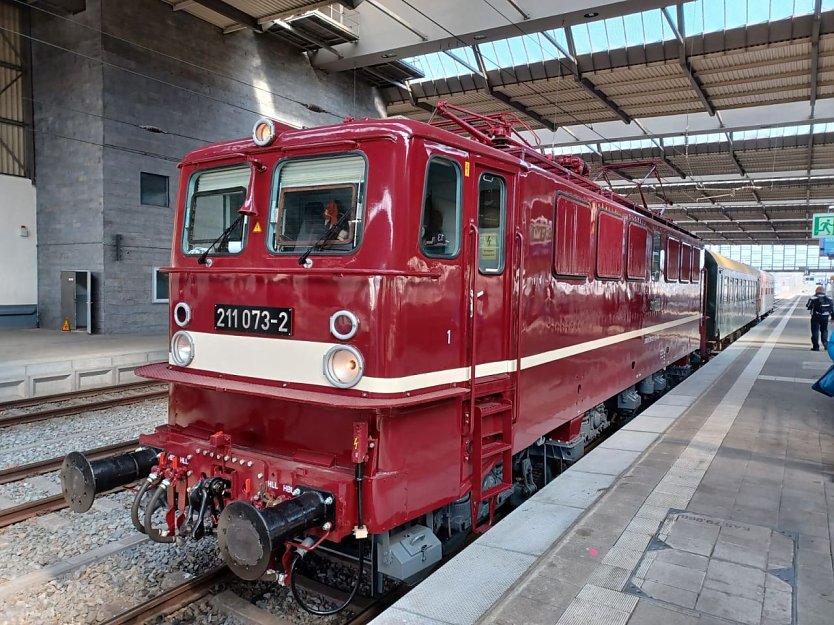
{"points": [[173, 599], [25, 511], [65, 411], [13, 474], [379, 605], [10, 516], [49, 399]]}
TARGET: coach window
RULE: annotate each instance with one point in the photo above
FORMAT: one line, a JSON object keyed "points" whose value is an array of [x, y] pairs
{"points": [[214, 199], [609, 245], [686, 262], [696, 264], [673, 259], [657, 256], [317, 204], [440, 231], [638, 241], [572, 237], [492, 211]]}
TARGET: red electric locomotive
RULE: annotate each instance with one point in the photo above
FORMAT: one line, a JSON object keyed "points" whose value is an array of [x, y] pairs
{"points": [[383, 329]]}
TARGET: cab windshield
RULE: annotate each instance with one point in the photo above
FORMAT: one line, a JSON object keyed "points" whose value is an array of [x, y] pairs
{"points": [[318, 202], [214, 199]]}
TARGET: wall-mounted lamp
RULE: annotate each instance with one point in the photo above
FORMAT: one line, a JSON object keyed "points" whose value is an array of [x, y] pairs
{"points": [[24, 231]]}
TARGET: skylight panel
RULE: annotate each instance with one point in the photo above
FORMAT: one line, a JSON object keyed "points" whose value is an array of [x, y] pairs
{"points": [[559, 36], [437, 65], [709, 16], [616, 32], [582, 38], [735, 14], [652, 26], [634, 29]]}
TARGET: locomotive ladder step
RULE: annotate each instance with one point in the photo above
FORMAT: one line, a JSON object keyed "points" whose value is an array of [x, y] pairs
{"points": [[495, 490], [492, 442], [492, 407], [493, 449]]}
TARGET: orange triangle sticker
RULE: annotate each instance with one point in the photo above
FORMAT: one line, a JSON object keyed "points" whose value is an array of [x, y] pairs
{"points": [[257, 227], [65, 327]]}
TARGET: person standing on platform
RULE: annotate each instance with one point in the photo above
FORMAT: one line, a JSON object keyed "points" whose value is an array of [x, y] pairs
{"points": [[822, 309]]}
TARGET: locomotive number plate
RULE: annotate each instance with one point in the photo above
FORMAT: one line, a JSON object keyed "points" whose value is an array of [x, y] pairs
{"points": [[253, 319]]}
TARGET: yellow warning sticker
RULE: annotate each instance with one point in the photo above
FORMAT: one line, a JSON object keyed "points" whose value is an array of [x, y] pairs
{"points": [[466, 169], [65, 327], [257, 227]]}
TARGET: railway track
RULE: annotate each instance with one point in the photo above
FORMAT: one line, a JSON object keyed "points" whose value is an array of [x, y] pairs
{"points": [[52, 399], [154, 391], [25, 511], [173, 599], [14, 474]]}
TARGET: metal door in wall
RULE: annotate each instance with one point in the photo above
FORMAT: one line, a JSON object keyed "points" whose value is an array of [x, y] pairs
{"points": [[76, 300]]}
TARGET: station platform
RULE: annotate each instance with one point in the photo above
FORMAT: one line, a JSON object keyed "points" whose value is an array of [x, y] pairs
{"points": [[714, 506], [38, 362]]}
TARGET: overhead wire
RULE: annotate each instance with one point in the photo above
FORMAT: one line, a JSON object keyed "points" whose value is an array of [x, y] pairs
{"points": [[590, 127], [544, 55], [501, 69]]}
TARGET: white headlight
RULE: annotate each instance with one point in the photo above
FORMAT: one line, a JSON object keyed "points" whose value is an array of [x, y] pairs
{"points": [[343, 366], [182, 348], [264, 132]]}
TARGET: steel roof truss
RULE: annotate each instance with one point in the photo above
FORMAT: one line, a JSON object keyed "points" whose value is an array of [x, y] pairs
{"points": [[500, 96], [586, 84]]}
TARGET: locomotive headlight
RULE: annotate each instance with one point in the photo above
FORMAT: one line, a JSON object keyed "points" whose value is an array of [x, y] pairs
{"points": [[264, 132], [182, 348], [343, 366]]}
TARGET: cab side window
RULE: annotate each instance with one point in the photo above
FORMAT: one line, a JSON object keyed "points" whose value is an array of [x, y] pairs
{"points": [[492, 216], [440, 230]]}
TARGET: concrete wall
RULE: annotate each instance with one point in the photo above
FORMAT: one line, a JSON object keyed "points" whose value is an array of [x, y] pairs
{"points": [[67, 89], [18, 269], [174, 72]]}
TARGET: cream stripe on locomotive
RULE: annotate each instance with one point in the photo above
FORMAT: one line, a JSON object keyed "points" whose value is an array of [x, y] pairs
{"points": [[301, 362]]}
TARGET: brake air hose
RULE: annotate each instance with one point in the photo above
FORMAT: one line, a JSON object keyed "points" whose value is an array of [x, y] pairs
{"points": [[153, 533], [152, 480]]}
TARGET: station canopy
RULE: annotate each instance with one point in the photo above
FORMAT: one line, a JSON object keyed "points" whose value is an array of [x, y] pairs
{"points": [[733, 98]]}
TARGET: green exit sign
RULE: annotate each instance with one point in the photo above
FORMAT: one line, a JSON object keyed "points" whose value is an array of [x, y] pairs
{"points": [[823, 225]]}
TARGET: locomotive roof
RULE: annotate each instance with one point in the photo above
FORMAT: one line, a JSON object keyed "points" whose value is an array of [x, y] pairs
{"points": [[726, 263], [365, 129]]}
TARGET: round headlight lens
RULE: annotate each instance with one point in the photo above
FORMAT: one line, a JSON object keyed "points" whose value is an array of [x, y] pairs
{"points": [[264, 131], [343, 325], [182, 348], [343, 366]]}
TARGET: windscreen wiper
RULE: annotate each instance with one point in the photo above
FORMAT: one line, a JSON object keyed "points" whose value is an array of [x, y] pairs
{"points": [[221, 239], [331, 231]]}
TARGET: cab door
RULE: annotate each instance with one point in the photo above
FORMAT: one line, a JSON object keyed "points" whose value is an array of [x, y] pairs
{"points": [[491, 293]]}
